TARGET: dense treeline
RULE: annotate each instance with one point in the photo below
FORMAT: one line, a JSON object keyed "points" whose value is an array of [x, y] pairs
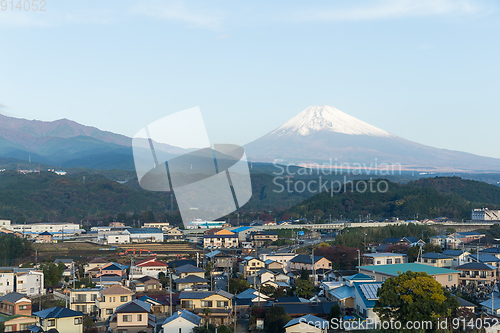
{"points": [[470, 190], [12, 249], [355, 237], [399, 200]]}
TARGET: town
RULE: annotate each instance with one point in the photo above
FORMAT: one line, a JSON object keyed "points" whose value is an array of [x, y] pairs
{"points": [[161, 278]]}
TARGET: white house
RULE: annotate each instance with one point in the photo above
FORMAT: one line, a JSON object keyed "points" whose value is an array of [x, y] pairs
{"points": [[181, 322], [6, 283], [30, 283], [149, 267], [283, 258]]}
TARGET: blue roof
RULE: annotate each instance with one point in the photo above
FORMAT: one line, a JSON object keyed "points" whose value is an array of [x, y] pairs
{"points": [[249, 293], [359, 276], [240, 229], [57, 312], [453, 252], [185, 314], [434, 255], [343, 292], [369, 303], [491, 250], [484, 257]]}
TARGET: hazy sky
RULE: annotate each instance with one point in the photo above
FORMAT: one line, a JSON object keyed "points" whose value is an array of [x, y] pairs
{"points": [[425, 70]]}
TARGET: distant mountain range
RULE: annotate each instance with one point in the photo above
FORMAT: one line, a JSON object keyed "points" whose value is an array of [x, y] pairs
{"points": [[324, 134], [319, 134], [66, 143]]}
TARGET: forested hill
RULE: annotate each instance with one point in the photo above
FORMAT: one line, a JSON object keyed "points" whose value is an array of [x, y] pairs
{"points": [[471, 190], [400, 200]]}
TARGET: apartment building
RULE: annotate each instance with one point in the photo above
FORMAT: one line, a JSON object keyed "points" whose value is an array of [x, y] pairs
{"points": [[111, 298]]}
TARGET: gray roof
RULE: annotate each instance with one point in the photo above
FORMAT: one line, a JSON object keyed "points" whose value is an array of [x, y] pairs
{"points": [[185, 314], [188, 269], [13, 297], [434, 255], [191, 279]]}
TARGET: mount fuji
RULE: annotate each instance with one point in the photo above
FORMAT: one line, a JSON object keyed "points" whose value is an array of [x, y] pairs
{"points": [[326, 135]]}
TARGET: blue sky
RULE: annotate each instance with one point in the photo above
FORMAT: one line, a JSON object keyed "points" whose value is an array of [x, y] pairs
{"points": [[427, 71]]}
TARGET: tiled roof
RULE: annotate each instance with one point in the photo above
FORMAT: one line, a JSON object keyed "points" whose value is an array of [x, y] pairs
{"points": [[57, 312], [188, 269], [185, 314], [317, 322], [13, 297], [116, 290]]}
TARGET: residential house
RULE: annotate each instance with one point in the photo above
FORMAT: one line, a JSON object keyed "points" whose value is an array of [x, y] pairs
{"points": [[219, 302], [6, 283], [468, 236], [248, 298], [219, 238], [18, 323], [185, 270], [446, 277], [133, 317], [30, 283], [221, 260], [145, 235], [307, 324], [493, 251], [364, 299], [160, 303], [113, 268], [84, 299], [146, 284], [60, 319], [148, 267], [92, 268], [303, 261], [192, 282], [263, 238], [244, 232], [384, 258], [273, 265], [476, 272], [486, 258], [14, 304], [175, 234], [437, 260], [458, 257], [282, 258], [301, 308], [44, 237], [408, 241], [181, 322], [250, 265], [111, 298]]}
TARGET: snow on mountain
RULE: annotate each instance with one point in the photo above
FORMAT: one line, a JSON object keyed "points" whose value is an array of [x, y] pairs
{"points": [[327, 118]]}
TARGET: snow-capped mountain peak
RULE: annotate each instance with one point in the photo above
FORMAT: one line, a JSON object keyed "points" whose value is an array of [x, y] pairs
{"points": [[327, 118]]}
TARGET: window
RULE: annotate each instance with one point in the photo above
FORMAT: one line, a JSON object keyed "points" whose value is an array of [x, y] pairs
{"points": [[389, 261], [32, 290], [222, 304], [51, 323], [206, 304], [127, 318], [23, 307], [187, 304], [450, 277], [109, 311], [19, 281], [397, 261], [139, 317], [103, 299], [93, 297], [8, 329], [123, 298], [78, 320]]}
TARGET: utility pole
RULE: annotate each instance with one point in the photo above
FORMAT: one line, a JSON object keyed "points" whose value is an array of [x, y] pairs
{"points": [[359, 258], [170, 288]]}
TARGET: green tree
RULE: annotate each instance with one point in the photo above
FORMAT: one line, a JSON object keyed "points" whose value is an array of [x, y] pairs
{"points": [[276, 319], [304, 288], [268, 290], [238, 285], [304, 274], [414, 296], [206, 313], [335, 312]]}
